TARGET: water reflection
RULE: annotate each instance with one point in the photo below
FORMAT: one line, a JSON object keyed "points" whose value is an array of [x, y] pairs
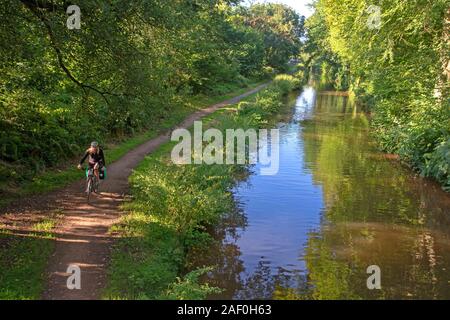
{"points": [[335, 207]]}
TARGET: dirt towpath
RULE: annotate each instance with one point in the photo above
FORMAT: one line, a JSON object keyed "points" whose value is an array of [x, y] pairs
{"points": [[82, 237]]}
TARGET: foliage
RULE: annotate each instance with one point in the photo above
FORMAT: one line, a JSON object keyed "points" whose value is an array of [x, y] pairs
{"points": [[270, 101], [438, 164], [130, 67], [281, 29], [399, 72], [189, 288], [23, 261], [172, 208], [320, 62], [376, 213]]}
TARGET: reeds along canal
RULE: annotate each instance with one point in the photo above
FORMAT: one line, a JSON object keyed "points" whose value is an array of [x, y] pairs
{"points": [[336, 207]]}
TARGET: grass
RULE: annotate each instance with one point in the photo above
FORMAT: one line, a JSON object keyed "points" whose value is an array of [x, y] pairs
{"points": [[24, 256], [147, 259], [23, 259], [57, 178], [173, 206]]}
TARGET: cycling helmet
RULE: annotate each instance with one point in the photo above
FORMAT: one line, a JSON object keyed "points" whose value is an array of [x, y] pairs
{"points": [[94, 144]]}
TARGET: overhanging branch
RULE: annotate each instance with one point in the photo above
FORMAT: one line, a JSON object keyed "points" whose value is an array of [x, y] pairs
{"points": [[34, 6]]}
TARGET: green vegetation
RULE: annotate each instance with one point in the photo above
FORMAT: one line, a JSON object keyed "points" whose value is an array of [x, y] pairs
{"points": [[373, 214], [55, 178], [23, 259], [132, 67], [172, 207], [399, 72], [132, 71], [22, 264]]}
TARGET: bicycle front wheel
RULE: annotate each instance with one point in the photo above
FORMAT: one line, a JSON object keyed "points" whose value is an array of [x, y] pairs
{"points": [[89, 189]]}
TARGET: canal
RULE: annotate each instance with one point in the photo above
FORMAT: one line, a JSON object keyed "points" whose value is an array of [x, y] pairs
{"points": [[336, 207]]}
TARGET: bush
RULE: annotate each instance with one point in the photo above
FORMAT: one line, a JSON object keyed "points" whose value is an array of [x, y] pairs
{"points": [[270, 101], [286, 83], [189, 288], [437, 164], [418, 133], [173, 206]]}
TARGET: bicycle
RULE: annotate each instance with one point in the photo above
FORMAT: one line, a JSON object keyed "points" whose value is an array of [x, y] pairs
{"points": [[91, 183]]}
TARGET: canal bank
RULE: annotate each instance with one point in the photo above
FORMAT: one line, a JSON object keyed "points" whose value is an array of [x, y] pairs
{"points": [[172, 207], [336, 207]]}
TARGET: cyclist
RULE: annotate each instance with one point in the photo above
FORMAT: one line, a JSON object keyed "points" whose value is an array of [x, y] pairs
{"points": [[96, 158]]}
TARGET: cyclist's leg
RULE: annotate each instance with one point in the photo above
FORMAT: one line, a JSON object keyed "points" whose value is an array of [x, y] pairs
{"points": [[97, 176], [96, 170], [90, 172]]}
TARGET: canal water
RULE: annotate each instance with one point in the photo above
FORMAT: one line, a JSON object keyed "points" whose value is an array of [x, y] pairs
{"points": [[336, 207]]}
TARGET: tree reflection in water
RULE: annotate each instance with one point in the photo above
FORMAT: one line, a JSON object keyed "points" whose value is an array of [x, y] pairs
{"points": [[372, 211]]}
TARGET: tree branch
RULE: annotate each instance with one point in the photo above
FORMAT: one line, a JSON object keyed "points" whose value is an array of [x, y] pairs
{"points": [[34, 6]]}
